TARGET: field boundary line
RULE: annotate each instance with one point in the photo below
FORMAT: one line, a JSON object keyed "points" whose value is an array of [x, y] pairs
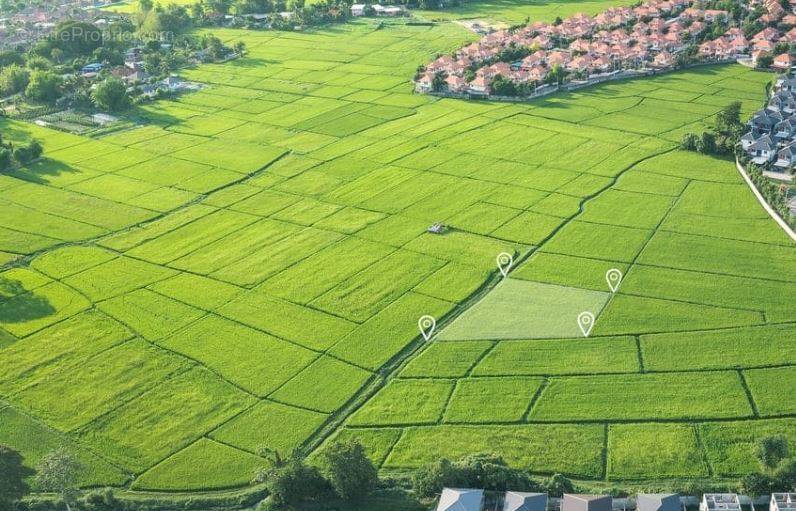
{"points": [[640, 353], [703, 450], [535, 398], [605, 457], [749, 395], [773, 214]]}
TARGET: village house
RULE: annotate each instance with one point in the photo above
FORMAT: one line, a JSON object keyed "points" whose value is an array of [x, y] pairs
{"points": [[783, 62]]}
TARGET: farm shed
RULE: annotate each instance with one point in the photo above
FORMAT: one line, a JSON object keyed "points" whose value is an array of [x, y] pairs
{"points": [[658, 502], [578, 502], [783, 502], [454, 499], [720, 502], [520, 501]]}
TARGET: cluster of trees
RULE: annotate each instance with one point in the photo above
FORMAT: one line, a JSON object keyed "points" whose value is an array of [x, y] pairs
{"points": [[722, 138], [486, 471], [777, 467], [46, 74], [775, 194], [19, 153], [58, 472], [343, 472]]}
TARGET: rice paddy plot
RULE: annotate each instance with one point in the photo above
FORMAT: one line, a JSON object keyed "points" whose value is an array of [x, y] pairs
{"points": [[518, 309]]}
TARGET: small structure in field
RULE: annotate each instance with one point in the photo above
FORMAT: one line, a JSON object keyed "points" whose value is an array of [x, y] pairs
{"points": [[455, 499], [520, 501], [658, 502], [580, 502], [437, 228], [783, 502], [720, 502]]}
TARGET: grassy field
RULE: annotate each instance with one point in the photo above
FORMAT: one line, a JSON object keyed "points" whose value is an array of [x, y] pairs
{"points": [[231, 274]]}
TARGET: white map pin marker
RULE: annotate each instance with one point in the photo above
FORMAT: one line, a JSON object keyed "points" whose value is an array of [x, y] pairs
{"points": [[614, 278], [427, 324], [504, 262], [586, 322]]}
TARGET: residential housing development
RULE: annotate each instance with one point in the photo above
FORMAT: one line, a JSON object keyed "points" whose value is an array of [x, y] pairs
{"points": [[453, 499], [771, 139], [650, 36]]}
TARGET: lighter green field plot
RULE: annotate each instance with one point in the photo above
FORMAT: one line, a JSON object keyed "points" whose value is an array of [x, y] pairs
{"points": [[519, 309], [238, 271]]}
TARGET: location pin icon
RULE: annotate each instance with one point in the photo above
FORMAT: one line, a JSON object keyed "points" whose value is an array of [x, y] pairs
{"points": [[586, 322], [614, 278], [426, 324], [504, 262]]}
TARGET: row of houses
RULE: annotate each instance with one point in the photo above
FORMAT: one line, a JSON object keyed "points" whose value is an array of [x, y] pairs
{"points": [[453, 499], [377, 9], [646, 36], [763, 43], [771, 139]]}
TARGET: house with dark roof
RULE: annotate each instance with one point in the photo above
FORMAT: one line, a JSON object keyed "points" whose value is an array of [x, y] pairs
{"points": [[786, 158], [658, 502], [521, 501], [581, 502], [763, 150]]}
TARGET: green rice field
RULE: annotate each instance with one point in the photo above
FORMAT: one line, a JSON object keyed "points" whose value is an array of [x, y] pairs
{"points": [[246, 269]]}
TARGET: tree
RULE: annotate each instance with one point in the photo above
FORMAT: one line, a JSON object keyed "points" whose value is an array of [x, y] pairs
{"points": [[430, 478], [8, 57], [770, 451], [349, 470], [145, 5], [25, 154], [13, 79], [503, 87], [111, 95], [706, 143], [689, 142], [240, 48], [294, 482], [758, 484], [12, 472], [58, 472], [44, 86], [728, 120], [764, 61], [558, 485], [5, 158], [438, 83], [76, 38], [785, 474], [556, 74]]}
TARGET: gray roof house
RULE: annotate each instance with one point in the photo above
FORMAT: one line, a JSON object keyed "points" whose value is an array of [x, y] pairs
{"points": [[763, 150], [720, 502], [748, 139], [783, 101], [520, 501], [658, 502], [785, 129], [455, 499], [579, 502], [786, 157], [783, 502], [785, 83], [765, 120]]}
